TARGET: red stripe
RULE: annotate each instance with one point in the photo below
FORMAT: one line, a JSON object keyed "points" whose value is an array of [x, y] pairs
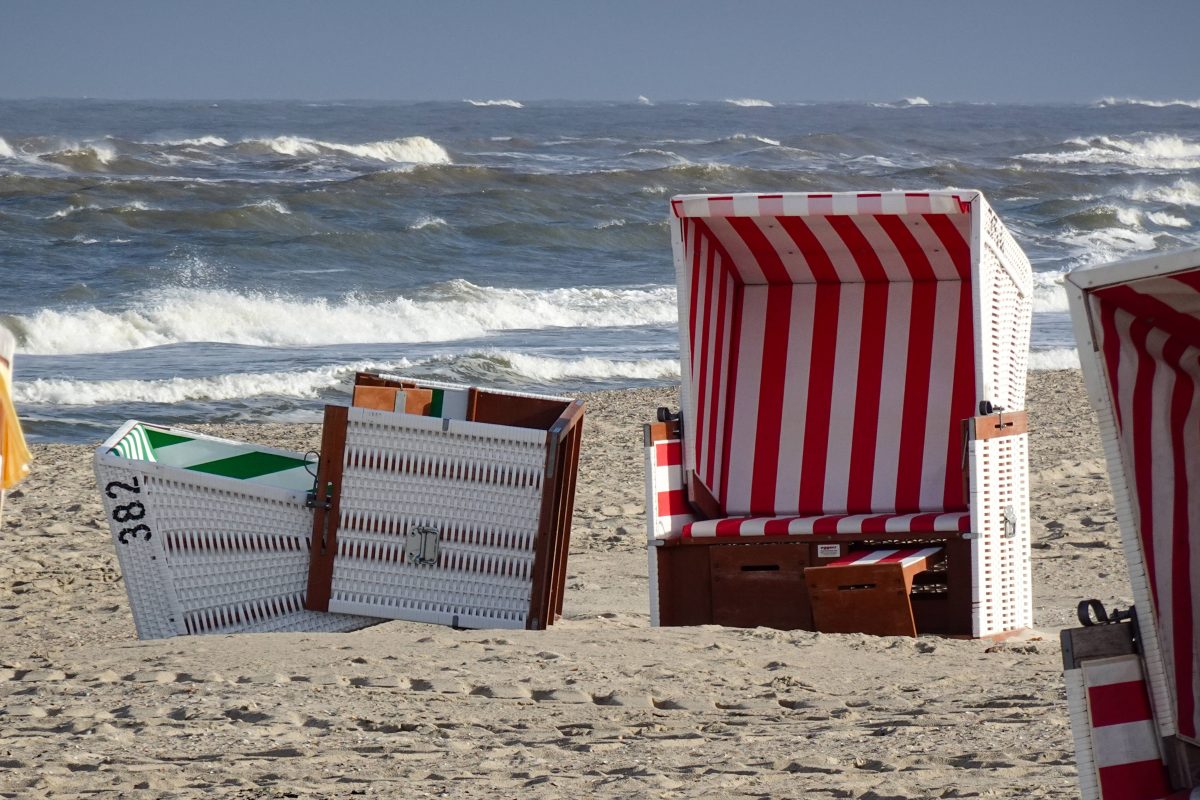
{"points": [[761, 249], [1112, 355], [864, 438], [823, 526], [910, 250], [962, 399], [957, 247], [720, 376], [1142, 446], [702, 384], [1180, 558], [820, 396], [1146, 306], [668, 454], [1143, 780], [730, 377], [776, 527], [1189, 279], [770, 398], [865, 257], [916, 397], [673, 502], [729, 527], [819, 263], [875, 524], [1119, 703]]}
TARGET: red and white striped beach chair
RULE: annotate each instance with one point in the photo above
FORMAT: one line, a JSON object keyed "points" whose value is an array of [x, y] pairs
{"points": [[853, 381], [1138, 328]]}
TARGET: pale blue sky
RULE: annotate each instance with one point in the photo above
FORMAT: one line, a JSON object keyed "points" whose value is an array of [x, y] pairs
{"points": [[1009, 51]]}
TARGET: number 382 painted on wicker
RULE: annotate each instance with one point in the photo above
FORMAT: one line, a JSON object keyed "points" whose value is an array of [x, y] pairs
{"points": [[129, 512]]}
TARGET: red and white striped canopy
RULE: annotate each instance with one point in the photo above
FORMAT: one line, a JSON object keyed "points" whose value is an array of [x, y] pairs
{"points": [[830, 349], [1144, 320]]}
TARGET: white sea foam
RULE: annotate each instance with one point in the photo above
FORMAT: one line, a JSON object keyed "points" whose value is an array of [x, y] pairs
{"points": [[1048, 292], [550, 370], [1167, 220], [305, 384], [1057, 358], [1181, 193], [271, 204], [457, 310], [409, 150], [427, 222], [199, 141], [1162, 152], [644, 101], [6, 150], [490, 103], [750, 102], [915, 101], [1107, 244], [755, 138], [611, 223], [1133, 101]]}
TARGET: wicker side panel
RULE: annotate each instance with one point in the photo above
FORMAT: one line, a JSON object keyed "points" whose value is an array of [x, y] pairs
{"points": [[1002, 598], [1006, 313], [483, 497], [1081, 732], [211, 560]]}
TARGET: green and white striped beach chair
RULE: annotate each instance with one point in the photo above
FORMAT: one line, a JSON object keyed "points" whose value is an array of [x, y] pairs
{"points": [[212, 535]]}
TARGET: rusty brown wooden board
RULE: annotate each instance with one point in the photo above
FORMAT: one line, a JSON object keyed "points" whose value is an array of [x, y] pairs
{"points": [[760, 586], [662, 431], [1007, 423], [684, 586], [323, 545]]}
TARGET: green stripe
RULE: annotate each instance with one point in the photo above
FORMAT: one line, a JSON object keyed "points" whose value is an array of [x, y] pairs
{"points": [[248, 465], [435, 406], [159, 438]]}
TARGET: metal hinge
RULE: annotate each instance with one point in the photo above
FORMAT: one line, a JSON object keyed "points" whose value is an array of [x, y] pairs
{"points": [[421, 545]]}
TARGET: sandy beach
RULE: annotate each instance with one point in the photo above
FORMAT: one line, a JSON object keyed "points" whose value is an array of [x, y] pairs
{"points": [[599, 705]]}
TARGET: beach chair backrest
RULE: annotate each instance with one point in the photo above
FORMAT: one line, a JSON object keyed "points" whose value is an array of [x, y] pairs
{"points": [[1138, 326], [833, 345]]}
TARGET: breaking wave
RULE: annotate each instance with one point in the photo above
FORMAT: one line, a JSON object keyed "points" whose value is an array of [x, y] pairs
{"points": [[1133, 101], [750, 102], [491, 103], [409, 150], [447, 312], [1164, 152], [1057, 358]]}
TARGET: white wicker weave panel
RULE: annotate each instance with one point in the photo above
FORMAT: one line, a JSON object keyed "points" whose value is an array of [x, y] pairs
{"points": [[481, 493], [217, 561], [152, 597], [1001, 583], [1081, 732]]}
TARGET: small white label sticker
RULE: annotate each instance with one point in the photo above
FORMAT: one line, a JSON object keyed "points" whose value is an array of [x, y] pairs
{"points": [[829, 550]]}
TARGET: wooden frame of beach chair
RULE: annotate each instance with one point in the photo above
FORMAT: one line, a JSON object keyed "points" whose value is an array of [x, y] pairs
{"points": [[211, 535], [1134, 687], [853, 380], [447, 504]]}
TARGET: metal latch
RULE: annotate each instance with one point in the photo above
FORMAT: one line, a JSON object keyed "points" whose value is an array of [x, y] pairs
{"points": [[1010, 522], [421, 546]]}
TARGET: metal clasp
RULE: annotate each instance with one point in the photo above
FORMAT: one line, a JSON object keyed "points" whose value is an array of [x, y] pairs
{"points": [[421, 545], [1010, 522]]}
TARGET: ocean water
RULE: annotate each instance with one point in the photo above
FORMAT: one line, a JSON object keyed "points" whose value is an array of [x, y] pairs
{"points": [[189, 262]]}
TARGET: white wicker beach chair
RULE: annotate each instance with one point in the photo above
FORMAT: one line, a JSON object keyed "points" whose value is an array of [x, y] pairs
{"points": [[211, 535], [447, 504], [846, 360], [1134, 686]]}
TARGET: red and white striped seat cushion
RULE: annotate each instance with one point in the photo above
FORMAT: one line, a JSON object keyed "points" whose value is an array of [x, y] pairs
{"points": [[904, 556], [953, 522], [832, 361]]}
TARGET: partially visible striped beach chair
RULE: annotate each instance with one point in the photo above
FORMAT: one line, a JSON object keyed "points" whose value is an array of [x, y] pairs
{"points": [[444, 503], [1134, 680], [853, 381], [211, 534]]}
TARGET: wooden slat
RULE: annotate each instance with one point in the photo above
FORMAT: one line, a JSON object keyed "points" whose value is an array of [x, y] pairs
{"points": [[323, 545], [1006, 423]]}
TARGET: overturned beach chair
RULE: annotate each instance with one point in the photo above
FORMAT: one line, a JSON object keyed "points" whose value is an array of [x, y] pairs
{"points": [[443, 503], [211, 534], [428, 502], [851, 453], [1133, 678]]}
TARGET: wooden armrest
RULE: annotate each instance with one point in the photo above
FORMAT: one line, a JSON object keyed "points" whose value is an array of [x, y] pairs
{"points": [[1003, 423]]}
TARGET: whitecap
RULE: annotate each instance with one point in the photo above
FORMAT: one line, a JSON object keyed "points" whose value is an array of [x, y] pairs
{"points": [[409, 150], [749, 102], [492, 103], [1056, 358], [1133, 101], [1161, 152], [1167, 220]]}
